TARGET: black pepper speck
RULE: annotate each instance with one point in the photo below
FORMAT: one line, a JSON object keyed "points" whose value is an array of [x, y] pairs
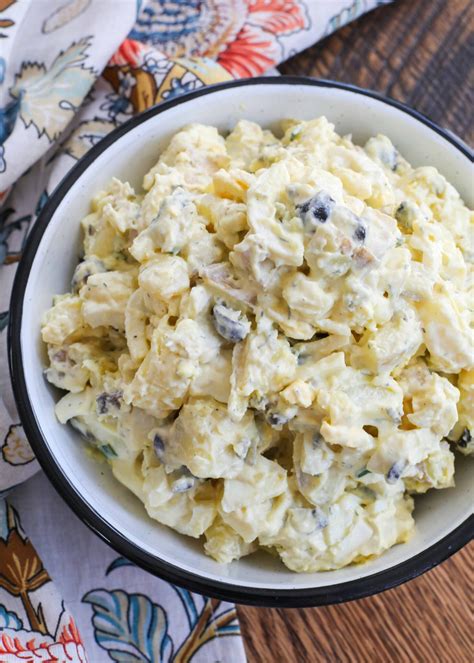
{"points": [[465, 438], [360, 233], [395, 472], [106, 401], [159, 446]]}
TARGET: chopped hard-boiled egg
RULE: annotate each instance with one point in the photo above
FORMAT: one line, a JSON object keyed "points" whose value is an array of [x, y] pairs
{"points": [[272, 345]]}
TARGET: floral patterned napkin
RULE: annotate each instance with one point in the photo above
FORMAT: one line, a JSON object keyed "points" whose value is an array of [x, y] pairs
{"points": [[70, 72]]}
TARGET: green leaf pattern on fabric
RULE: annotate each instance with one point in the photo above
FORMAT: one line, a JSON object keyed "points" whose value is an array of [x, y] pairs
{"points": [[130, 627], [50, 98]]}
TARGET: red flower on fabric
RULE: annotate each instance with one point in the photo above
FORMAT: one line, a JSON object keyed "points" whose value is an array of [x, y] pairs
{"points": [[33, 647], [70, 633], [256, 47], [253, 52], [243, 37], [128, 52]]}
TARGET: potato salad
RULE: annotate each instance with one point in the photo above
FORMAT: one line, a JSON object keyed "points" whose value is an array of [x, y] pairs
{"points": [[271, 342]]}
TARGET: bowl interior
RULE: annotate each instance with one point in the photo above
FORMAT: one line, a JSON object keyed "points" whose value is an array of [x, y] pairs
{"points": [[129, 158]]}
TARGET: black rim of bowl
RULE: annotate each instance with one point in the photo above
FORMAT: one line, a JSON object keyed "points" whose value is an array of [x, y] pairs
{"points": [[296, 597]]}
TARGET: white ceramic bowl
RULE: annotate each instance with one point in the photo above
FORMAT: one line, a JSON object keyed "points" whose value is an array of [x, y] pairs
{"points": [[444, 520]]}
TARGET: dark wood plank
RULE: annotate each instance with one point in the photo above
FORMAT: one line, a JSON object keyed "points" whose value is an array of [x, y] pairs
{"points": [[417, 51], [426, 620], [420, 52]]}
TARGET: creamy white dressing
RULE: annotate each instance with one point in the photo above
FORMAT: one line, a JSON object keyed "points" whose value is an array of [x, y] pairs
{"points": [[272, 344]]}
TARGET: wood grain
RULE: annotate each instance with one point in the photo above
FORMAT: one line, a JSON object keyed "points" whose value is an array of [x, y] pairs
{"points": [[420, 52], [426, 620], [417, 51]]}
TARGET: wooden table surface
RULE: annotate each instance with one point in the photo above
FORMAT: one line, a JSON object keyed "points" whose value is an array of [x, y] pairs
{"points": [[420, 52]]}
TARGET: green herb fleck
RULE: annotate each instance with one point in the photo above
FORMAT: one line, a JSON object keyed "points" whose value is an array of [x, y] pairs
{"points": [[295, 133], [362, 473], [107, 450]]}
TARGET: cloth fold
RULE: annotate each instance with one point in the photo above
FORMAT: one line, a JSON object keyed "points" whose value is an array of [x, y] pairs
{"points": [[70, 72]]}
